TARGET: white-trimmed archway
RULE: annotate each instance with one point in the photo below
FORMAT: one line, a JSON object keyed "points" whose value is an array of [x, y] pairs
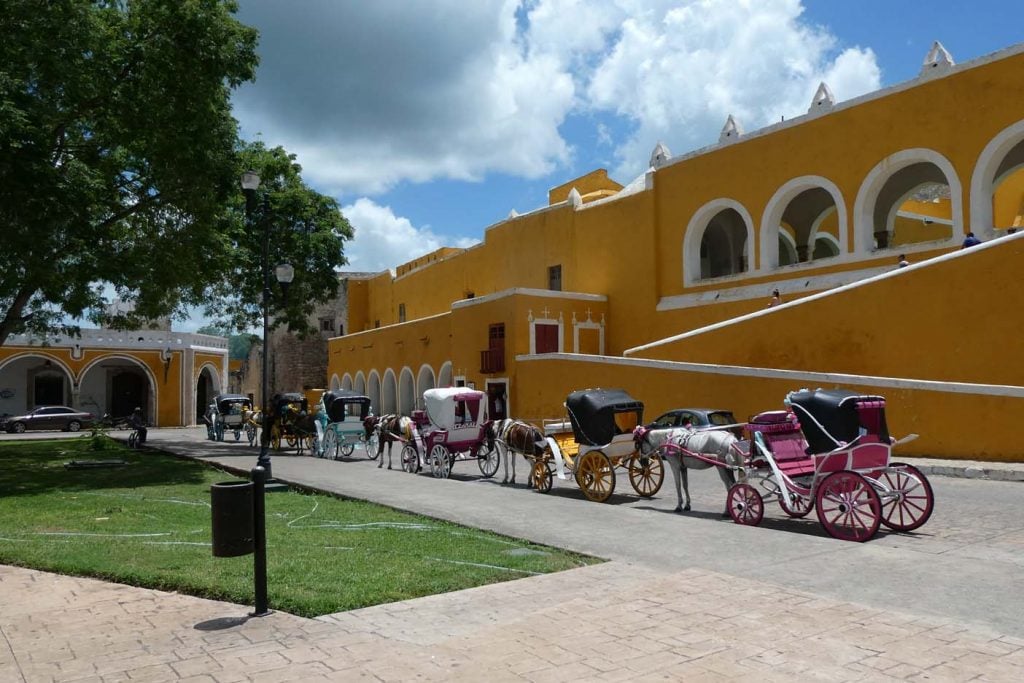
{"points": [[389, 393], [152, 408], [864, 208], [989, 171], [698, 225], [373, 391], [786, 242], [425, 380], [360, 385], [824, 241], [346, 382], [406, 392], [335, 382], [20, 382], [444, 377], [776, 208]]}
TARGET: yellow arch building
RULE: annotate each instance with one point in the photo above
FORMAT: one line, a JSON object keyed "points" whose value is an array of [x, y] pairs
{"points": [[660, 285]]}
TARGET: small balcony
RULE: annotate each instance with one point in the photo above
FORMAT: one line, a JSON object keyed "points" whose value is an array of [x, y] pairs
{"points": [[492, 360]]}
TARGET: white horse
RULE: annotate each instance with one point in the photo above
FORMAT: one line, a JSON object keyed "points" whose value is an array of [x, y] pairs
{"points": [[673, 445]]}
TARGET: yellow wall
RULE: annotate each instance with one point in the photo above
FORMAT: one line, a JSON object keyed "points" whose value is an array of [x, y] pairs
{"points": [[594, 183]]}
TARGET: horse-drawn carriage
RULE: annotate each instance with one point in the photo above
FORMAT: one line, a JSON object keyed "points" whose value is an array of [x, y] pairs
{"points": [[341, 417], [291, 423], [457, 431], [229, 413], [595, 441], [831, 451]]}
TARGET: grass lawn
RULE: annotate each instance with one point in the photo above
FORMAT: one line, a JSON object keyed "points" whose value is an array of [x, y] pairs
{"points": [[148, 524]]}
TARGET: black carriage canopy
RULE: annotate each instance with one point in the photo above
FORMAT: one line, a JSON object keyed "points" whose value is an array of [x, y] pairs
{"points": [[225, 401], [597, 415], [341, 402], [279, 401], [829, 417]]}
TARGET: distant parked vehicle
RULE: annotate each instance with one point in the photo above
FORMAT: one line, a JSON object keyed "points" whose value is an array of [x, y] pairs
{"points": [[698, 418], [49, 417]]}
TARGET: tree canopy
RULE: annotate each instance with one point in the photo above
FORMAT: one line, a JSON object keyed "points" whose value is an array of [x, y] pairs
{"points": [[120, 164]]}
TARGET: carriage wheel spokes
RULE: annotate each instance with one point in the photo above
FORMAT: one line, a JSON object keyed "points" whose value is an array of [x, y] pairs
{"points": [[410, 459], [346, 449], [745, 504], [540, 476], [372, 444], [848, 507], [440, 461], [596, 476], [330, 449], [648, 477], [801, 506], [910, 501], [488, 460]]}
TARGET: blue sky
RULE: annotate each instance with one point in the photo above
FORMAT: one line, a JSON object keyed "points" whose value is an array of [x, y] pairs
{"points": [[431, 120]]}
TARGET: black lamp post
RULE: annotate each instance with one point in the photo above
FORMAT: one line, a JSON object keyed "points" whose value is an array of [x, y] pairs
{"points": [[284, 273]]}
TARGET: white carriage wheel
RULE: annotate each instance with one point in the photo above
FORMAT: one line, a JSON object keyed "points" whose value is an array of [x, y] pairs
{"points": [[372, 444], [440, 461], [488, 459], [410, 459], [330, 446]]}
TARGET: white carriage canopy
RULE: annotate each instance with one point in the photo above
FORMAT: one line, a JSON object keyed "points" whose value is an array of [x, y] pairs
{"points": [[442, 405]]}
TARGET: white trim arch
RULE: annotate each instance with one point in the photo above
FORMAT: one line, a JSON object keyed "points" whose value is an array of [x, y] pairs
{"points": [[984, 181], [373, 391], [389, 393], [776, 207], [406, 391], [425, 379], [346, 382], [153, 408], [444, 377], [214, 373], [790, 246], [698, 225], [360, 385], [335, 383], [874, 181], [72, 377], [828, 237]]}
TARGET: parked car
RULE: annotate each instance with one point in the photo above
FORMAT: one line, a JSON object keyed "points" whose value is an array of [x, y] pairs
{"points": [[49, 417], [698, 418]]}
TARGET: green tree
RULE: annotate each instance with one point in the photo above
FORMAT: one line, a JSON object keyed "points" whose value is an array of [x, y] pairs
{"points": [[118, 159], [238, 344]]}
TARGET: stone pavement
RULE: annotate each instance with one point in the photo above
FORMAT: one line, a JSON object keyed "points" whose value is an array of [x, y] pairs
{"points": [[684, 598]]}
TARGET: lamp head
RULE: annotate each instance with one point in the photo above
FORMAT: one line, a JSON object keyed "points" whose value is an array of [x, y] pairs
{"points": [[250, 180], [285, 273]]}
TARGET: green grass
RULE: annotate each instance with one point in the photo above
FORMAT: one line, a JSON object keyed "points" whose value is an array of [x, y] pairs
{"points": [[148, 524]]}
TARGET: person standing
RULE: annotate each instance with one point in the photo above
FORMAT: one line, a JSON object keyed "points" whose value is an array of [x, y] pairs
{"points": [[138, 423], [775, 300], [903, 261]]}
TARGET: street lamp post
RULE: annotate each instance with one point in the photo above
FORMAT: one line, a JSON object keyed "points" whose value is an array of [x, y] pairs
{"points": [[284, 273]]}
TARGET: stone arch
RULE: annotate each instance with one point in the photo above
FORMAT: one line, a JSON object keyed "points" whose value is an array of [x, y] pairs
{"points": [[335, 383], [801, 203], [424, 380], [787, 243], [207, 385], [406, 392], [825, 246], [373, 391], [444, 377], [389, 393], [889, 183], [117, 366], [36, 378], [1003, 155], [732, 235], [360, 386], [346, 382]]}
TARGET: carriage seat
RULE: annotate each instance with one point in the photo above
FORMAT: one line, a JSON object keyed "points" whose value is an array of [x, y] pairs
{"points": [[782, 434]]}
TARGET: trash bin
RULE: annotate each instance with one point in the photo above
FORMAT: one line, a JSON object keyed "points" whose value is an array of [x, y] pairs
{"points": [[232, 511]]}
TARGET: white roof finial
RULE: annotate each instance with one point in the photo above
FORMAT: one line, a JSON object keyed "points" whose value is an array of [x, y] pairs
{"points": [[823, 99], [938, 60], [660, 155], [731, 131], [574, 198], [512, 214]]}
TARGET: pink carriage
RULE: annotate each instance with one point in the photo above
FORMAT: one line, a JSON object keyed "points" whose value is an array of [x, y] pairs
{"points": [[830, 451], [455, 430]]}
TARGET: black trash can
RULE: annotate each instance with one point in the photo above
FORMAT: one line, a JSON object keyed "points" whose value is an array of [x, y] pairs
{"points": [[231, 506]]}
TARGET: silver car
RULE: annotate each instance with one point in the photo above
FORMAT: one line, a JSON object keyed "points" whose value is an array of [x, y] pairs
{"points": [[49, 417]]}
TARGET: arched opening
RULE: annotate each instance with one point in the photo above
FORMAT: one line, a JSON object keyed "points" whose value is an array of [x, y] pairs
{"points": [[389, 393], [444, 378], [424, 381], [911, 197], [119, 384], [719, 241], [796, 214], [406, 392], [360, 385], [346, 382], [825, 246], [373, 391], [335, 383], [31, 380], [997, 184], [206, 389]]}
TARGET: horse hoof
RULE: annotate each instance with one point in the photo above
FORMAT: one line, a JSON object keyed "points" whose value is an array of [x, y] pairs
{"points": [[686, 508], [389, 467], [679, 508], [380, 465]]}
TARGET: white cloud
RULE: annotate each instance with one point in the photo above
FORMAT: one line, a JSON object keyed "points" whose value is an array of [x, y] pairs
{"points": [[384, 240]]}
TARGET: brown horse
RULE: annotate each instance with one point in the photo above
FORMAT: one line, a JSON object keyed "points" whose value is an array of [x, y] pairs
{"points": [[516, 437], [390, 428]]}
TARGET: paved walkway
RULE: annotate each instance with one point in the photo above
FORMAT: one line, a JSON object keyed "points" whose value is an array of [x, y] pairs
{"points": [[684, 597]]}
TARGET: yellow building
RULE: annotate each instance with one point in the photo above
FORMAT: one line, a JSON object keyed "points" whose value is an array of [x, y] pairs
{"points": [[170, 375], [660, 285]]}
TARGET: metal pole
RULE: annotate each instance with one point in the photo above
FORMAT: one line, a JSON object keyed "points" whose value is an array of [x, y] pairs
{"points": [[259, 528], [264, 457]]}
